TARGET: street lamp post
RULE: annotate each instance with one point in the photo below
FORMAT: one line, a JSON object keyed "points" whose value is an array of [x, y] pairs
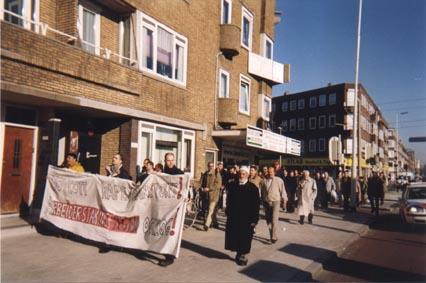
{"points": [[280, 129], [355, 122], [397, 140]]}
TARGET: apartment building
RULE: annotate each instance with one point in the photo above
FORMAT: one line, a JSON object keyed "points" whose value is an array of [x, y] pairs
{"points": [[314, 116], [137, 77]]}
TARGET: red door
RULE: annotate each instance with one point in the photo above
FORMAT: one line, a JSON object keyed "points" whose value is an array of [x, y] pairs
{"points": [[17, 164]]}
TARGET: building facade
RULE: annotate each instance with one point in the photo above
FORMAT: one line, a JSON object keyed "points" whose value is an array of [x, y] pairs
{"points": [[137, 77], [314, 116]]}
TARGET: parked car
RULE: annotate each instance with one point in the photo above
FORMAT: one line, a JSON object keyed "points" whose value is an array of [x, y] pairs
{"points": [[412, 207]]}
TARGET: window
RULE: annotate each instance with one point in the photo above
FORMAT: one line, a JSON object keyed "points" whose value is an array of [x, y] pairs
{"points": [[293, 105], [292, 124], [28, 9], [302, 146], [284, 125], [89, 28], [321, 144], [223, 84], [164, 51], [332, 121], [301, 124], [267, 46], [312, 123], [265, 107], [332, 99], [322, 121], [284, 106], [313, 102], [301, 104], [226, 12], [322, 100], [126, 46], [244, 95], [312, 145], [274, 107], [246, 28]]}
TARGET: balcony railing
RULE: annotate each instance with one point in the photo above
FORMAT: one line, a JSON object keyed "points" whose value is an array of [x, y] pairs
{"points": [[268, 69], [43, 29]]}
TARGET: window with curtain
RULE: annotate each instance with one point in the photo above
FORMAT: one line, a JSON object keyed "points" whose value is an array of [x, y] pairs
{"points": [[246, 28], [89, 31], [14, 6], [268, 49], [224, 84], [164, 52], [125, 40], [244, 97], [226, 12], [179, 62], [148, 48]]}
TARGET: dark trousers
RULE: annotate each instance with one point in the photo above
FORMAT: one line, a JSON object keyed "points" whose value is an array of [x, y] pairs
{"points": [[346, 198], [310, 218], [374, 202], [291, 202]]}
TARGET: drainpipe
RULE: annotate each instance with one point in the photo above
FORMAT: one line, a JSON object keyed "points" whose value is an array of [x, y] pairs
{"points": [[216, 88]]}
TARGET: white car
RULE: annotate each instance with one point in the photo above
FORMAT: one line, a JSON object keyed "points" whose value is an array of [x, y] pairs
{"points": [[412, 207]]}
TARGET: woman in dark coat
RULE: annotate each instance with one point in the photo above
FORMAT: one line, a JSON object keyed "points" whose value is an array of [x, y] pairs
{"points": [[242, 211]]}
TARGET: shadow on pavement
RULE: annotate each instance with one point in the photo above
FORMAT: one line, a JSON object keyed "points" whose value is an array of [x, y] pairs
{"points": [[269, 271], [392, 223], [365, 271], [204, 251]]}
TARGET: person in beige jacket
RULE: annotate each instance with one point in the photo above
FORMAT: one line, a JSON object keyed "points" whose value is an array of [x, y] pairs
{"points": [[273, 192], [213, 183]]}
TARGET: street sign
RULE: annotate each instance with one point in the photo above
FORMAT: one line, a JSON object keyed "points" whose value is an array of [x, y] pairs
{"points": [[335, 151], [417, 139]]}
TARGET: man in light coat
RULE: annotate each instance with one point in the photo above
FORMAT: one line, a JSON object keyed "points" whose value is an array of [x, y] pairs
{"points": [[306, 194], [273, 192], [213, 186]]}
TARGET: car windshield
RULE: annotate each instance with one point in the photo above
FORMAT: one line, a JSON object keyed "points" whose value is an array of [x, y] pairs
{"points": [[417, 193]]}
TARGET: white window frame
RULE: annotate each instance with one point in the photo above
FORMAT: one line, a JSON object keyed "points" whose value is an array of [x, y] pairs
{"points": [[284, 109], [332, 99], [329, 120], [324, 119], [324, 102], [246, 80], [312, 145], [26, 13], [95, 10], [146, 21], [245, 13], [301, 124], [293, 105], [131, 40], [262, 97], [223, 72], [263, 44], [301, 105], [313, 98], [293, 125], [229, 11], [321, 144], [315, 123], [152, 129]]}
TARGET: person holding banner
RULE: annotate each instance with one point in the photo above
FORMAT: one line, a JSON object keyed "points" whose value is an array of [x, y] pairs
{"points": [[242, 211], [171, 169], [116, 169], [72, 163]]}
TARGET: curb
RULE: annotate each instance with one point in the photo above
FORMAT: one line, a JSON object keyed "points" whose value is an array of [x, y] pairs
{"points": [[313, 269]]}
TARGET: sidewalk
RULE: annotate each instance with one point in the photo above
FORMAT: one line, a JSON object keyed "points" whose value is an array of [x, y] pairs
{"points": [[32, 257]]}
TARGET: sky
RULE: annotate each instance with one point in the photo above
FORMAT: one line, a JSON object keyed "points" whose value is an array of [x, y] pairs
{"points": [[318, 39]]}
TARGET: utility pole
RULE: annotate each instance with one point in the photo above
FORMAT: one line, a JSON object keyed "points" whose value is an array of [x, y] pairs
{"points": [[281, 161], [397, 140], [355, 120]]}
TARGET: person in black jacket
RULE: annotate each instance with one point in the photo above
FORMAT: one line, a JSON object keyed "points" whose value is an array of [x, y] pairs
{"points": [[169, 168], [116, 169], [375, 189]]}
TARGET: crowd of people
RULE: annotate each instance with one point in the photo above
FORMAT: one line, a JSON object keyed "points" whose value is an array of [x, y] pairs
{"points": [[241, 190]]}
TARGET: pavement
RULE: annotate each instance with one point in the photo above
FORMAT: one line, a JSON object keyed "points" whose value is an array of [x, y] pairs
{"points": [[298, 255]]}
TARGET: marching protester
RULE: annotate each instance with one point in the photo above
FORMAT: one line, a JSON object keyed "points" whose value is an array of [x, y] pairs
{"points": [[213, 183], [306, 194], [330, 186], [278, 170], [345, 186], [254, 177], [375, 192], [158, 168], [264, 172], [242, 211], [116, 169], [290, 184], [224, 174], [72, 163], [321, 200], [149, 169], [171, 169], [273, 193], [233, 175]]}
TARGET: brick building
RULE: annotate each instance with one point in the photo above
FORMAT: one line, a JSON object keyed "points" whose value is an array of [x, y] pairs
{"points": [[314, 116], [137, 77]]}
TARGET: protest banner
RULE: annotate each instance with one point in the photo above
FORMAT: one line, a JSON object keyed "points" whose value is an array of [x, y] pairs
{"points": [[149, 216]]}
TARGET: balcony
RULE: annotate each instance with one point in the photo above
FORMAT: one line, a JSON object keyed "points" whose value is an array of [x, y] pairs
{"points": [[268, 69], [227, 111], [230, 40]]}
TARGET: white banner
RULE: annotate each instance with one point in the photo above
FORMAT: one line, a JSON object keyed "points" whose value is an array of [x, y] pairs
{"points": [[115, 211]]}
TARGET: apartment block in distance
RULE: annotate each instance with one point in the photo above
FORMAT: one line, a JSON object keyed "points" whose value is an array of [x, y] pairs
{"points": [[137, 77]]}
